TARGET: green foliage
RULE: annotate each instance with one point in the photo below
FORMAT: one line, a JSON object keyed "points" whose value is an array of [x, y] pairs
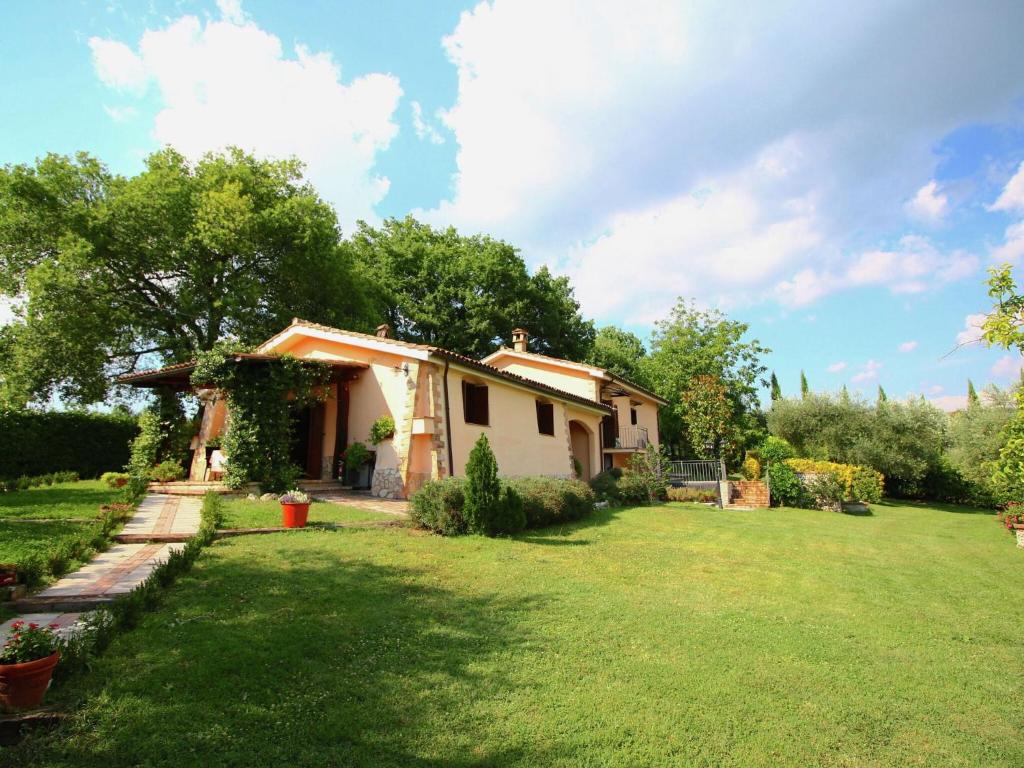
{"points": [[356, 455], [483, 491], [646, 479], [619, 352], [973, 401], [381, 429], [466, 293], [114, 479], [776, 450], [976, 436], [805, 389], [709, 416], [882, 397], [693, 495], [28, 642], [826, 490], [860, 483], [605, 485], [1004, 325], [438, 506], [167, 472], [1007, 479], [86, 443], [552, 501], [163, 264], [784, 486], [262, 398], [146, 447], [775, 388], [751, 468], [25, 482], [692, 342]]}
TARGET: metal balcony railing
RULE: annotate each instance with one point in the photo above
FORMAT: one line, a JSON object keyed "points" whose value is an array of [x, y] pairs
{"points": [[683, 472], [631, 437]]}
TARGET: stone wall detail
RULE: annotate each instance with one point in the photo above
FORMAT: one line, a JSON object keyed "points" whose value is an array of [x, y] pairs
{"points": [[387, 484], [1020, 537]]}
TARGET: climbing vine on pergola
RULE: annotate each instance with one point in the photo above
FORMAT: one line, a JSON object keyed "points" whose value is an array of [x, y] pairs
{"points": [[261, 397]]}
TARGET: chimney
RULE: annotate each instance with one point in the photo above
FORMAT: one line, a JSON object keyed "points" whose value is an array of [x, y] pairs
{"points": [[383, 331], [520, 339]]}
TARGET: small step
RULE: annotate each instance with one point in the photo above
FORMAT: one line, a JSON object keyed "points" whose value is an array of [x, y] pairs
{"points": [[64, 603]]}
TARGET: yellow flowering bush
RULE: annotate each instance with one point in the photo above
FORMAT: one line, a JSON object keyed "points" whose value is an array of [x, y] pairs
{"points": [[861, 483], [751, 468]]}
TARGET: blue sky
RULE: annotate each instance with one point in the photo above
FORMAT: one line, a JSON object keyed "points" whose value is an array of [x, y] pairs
{"points": [[839, 178]]}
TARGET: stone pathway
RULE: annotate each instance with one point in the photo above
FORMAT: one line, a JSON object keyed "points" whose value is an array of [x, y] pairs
{"points": [[158, 527], [397, 507]]}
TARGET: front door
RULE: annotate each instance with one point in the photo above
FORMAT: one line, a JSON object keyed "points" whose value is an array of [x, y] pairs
{"points": [[308, 430]]}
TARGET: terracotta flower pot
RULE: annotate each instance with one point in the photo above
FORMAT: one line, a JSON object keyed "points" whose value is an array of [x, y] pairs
{"points": [[294, 515], [22, 686]]}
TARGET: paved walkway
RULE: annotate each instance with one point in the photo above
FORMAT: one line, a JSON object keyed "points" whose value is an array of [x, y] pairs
{"points": [[397, 507], [158, 527]]}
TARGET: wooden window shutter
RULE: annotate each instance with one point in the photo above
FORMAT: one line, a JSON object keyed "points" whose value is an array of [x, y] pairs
{"points": [[545, 418], [474, 403]]}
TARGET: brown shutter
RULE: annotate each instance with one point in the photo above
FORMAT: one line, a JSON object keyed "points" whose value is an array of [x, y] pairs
{"points": [[545, 418], [485, 413], [467, 413]]}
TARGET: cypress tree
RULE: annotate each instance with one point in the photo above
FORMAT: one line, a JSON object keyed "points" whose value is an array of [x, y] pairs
{"points": [[882, 397], [805, 390], [844, 395], [483, 491], [776, 389], [972, 395]]}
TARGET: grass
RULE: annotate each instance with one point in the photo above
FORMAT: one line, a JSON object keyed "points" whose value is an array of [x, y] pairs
{"points": [[33, 521], [673, 635], [240, 513]]}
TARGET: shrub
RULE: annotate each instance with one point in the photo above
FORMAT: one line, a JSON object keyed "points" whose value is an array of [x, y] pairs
{"points": [[438, 505], [775, 449], [860, 483], [606, 485], [751, 468], [356, 455], [698, 495], [167, 471], [508, 516], [382, 429], [647, 477], [551, 500], [114, 479], [827, 491], [785, 487], [635, 489]]}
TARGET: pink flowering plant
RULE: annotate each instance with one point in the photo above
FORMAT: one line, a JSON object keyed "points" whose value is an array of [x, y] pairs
{"points": [[29, 642]]}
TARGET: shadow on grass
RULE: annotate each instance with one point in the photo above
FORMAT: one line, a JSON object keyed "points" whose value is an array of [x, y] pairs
{"points": [[292, 654], [960, 509], [865, 512]]}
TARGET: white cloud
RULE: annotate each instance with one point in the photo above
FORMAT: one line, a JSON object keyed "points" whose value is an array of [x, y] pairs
{"points": [[916, 265], [929, 204], [1013, 247], [424, 130], [908, 346], [1007, 367], [580, 127], [949, 403], [868, 373], [971, 334], [1012, 196], [121, 114], [227, 82], [117, 66], [837, 367]]}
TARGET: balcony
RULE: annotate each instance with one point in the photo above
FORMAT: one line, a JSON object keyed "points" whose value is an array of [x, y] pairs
{"points": [[626, 439]]}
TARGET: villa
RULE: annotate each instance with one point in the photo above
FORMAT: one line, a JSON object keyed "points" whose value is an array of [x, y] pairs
{"points": [[541, 415]]}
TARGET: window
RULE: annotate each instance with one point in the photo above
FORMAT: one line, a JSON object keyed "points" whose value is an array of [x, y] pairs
{"points": [[632, 416], [545, 418], [474, 403]]}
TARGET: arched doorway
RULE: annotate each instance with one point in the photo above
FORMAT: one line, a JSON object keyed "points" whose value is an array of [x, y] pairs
{"points": [[579, 440]]}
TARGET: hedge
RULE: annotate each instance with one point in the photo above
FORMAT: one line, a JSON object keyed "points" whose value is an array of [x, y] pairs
{"points": [[42, 442], [438, 505], [861, 483]]}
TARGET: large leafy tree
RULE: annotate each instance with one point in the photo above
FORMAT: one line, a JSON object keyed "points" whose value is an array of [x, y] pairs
{"points": [[466, 293], [694, 342], [620, 352], [112, 273], [709, 417]]}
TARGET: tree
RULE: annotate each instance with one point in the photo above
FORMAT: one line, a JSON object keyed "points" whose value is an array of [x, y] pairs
{"points": [[805, 390], [776, 389], [709, 417], [972, 395], [882, 397], [489, 508], [976, 436], [692, 342], [619, 352], [116, 271], [464, 293]]}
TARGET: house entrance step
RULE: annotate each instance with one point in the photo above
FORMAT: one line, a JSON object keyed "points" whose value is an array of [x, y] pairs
{"points": [[192, 488]]}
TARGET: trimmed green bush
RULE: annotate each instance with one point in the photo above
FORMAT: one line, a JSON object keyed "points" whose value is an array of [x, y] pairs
{"points": [[87, 443], [437, 506], [698, 495], [606, 485], [482, 507], [551, 500], [167, 471]]}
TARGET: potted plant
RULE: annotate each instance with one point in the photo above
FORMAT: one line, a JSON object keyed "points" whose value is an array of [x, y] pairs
{"points": [[356, 455], [294, 509], [26, 665], [382, 429]]}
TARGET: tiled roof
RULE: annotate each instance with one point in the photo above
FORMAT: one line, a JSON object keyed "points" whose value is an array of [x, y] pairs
{"points": [[455, 357], [606, 372]]}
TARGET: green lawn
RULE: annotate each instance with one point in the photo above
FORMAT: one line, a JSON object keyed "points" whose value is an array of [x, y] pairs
{"points": [[240, 513], [675, 635], [63, 510]]}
